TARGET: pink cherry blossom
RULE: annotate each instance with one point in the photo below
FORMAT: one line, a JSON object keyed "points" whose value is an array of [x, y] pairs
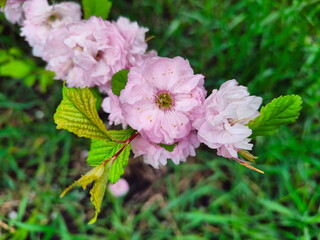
{"points": [[41, 19], [155, 155], [111, 105], [57, 55], [162, 98], [227, 111], [120, 188], [136, 45], [90, 52], [13, 11]]}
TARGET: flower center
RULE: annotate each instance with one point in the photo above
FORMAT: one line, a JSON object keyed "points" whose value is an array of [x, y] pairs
{"points": [[99, 55], [164, 100], [53, 17]]}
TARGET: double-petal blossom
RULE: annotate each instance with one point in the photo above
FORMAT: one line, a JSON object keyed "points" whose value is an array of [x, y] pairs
{"points": [[227, 112]]}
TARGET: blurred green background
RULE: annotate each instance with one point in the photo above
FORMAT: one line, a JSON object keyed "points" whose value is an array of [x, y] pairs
{"points": [[272, 47]]}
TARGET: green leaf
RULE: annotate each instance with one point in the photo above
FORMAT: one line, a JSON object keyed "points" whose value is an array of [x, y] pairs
{"points": [[15, 69], [77, 113], [168, 147], [119, 81], [281, 111], [103, 150], [98, 8], [118, 165]]}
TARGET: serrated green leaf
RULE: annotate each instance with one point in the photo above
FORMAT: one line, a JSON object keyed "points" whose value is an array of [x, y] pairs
{"points": [[168, 147], [77, 113], [118, 165], [103, 150], [119, 81], [281, 111], [98, 8]]}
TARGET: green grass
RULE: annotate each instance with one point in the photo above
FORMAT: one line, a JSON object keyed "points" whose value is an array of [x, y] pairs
{"points": [[272, 47]]}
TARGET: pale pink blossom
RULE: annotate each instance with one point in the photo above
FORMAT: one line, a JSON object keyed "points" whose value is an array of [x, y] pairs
{"points": [[227, 111], [90, 53], [57, 55], [156, 155], [111, 105], [41, 19], [162, 98], [120, 188], [13, 11], [136, 45]]}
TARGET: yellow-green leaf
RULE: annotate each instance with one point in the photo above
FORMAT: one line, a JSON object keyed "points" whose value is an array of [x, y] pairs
{"points": [[99, 177], [88, 178], [97, 193], [77, 113]]}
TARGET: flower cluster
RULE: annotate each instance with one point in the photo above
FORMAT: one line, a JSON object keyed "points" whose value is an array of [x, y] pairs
{"points": [[164, 100]]}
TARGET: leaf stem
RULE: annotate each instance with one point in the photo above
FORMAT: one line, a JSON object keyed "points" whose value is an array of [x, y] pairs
{"points": [[125, 144]]}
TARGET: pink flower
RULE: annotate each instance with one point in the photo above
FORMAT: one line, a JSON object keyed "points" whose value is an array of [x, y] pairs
{"points": [[41, 19], [13, 11], [120, 188], [156, 155], [111, 104], [57, 55], [162, 98], [136, 45], [90, 52], [227, 111]]}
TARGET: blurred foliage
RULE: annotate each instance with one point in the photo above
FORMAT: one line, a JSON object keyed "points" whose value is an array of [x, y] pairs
{"points": [[272, 47], [14, 65]]}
